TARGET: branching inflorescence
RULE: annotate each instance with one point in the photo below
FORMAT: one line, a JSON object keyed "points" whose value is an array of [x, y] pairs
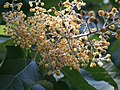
{"points": [[65, 38]]}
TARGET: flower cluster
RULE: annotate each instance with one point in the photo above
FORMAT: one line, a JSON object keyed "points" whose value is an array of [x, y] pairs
{"points": [[65, 38]]}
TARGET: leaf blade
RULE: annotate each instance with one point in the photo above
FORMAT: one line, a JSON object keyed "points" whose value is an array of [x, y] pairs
{"points": [[75, 78]]}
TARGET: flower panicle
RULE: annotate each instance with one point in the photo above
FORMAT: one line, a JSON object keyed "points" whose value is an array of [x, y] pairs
{"points": [[59, 37]]}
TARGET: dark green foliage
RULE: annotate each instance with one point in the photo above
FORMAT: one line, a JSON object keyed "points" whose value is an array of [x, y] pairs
{"points": [[99, 73], [75, 78]]}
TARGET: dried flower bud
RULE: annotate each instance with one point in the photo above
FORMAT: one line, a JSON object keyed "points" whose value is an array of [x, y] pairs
{"points": [[108, 56], [46, 65], [107, 14], [112, 27], [56, 13], [103, 30], [91, 19], [78, 26], [60, 4], [57, 72], [53, 9], [101, 13], [53, 40], [91, 13], [92, 65], [32, 10], [96, 21], [31, 3], [108, 60], [37, 3], [114, 10], [42, 3], [118, 34], [100, 64], [6, 5]]}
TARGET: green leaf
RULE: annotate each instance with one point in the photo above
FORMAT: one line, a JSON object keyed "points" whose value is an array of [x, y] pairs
{"points": [[114, 50], [113, 72], [2, 30], [99, 85], [46, 84], [12, 66], [5, 41], [3, 53], [115, 46], [61, 85], [99, 73], [58, 85], [15, 73], [8, 70], [11, 57], [115, 57], [43, 71], [15, 52], [18, 79], [75, 78], [66, 84], [14, 62]]}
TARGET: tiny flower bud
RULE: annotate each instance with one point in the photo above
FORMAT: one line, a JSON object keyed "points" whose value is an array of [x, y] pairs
{"points": [[78, 26], [56, 13], [42, 4], [91, 19], [96, 21], [53, 9], [101, 13], [118, 32], [53, 40], [60, 4], [117, 36], [75, 49], [31, 4], [6, 5], [49, 73], [100, 64], [32, 10], [107, 14], [37, 3], [91, 65], [108, 56], [46, 65], [108, 60], [70, 68], [114, 10], [91, 13], [53, 64], [103, 30], [112, 27], [58, 72]]}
